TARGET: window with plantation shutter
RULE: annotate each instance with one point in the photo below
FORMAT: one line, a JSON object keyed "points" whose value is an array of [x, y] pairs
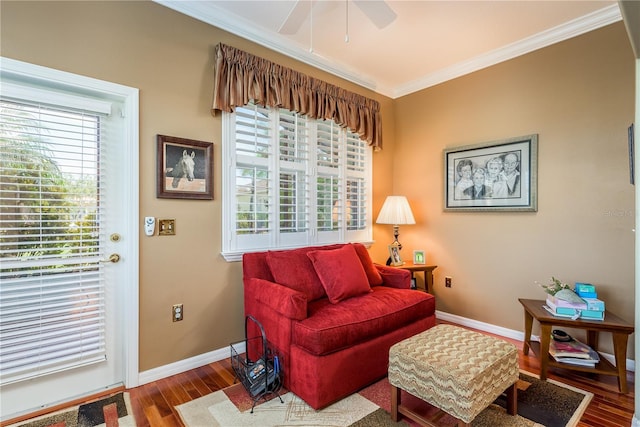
{"points": [[51, 280], [291, 181], [293, 185]]}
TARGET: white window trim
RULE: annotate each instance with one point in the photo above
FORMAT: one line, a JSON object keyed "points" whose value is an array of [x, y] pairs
{"points": [[228, 197]]}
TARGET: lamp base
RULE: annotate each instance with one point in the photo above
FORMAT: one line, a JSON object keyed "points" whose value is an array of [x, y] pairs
{"points": [[396, 233]]}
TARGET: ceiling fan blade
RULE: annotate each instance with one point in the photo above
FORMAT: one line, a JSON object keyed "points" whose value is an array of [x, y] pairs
{"points": [[378, 11], [296, 17]]}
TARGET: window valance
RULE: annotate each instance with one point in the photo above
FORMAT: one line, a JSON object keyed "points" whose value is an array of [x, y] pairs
{"points": [[241, 77]]}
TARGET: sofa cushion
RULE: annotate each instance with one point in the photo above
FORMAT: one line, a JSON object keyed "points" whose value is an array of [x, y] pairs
{"points": [[370, 269], [293, 269], [340, 272], [333, 327]]}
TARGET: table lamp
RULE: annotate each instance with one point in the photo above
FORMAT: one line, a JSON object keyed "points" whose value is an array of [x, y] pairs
{"points": [[395, 211]]}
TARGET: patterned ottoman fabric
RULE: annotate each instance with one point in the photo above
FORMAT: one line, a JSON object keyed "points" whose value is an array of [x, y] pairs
{"points": [[457, 370]]}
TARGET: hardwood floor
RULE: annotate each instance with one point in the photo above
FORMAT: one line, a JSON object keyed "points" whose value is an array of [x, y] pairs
{"points": [[154, 403]]}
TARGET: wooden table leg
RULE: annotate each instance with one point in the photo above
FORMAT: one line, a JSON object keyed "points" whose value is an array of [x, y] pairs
{"points": [[528, 325], [428, 281], [592, 339], [512, 399], [395, 402], [620, 353], [545, 338]]}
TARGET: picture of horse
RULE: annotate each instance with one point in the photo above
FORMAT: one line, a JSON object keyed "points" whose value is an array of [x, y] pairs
{"points": [[184, 168]]}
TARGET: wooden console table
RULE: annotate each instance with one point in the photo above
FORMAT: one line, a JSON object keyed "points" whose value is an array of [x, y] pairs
{"points": [[426, 269], [620, 330]]}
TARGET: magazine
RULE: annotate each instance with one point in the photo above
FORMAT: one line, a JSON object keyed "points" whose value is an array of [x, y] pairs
{"points": [[578, 362], [573, 352], [261, 377], [255, 370]]}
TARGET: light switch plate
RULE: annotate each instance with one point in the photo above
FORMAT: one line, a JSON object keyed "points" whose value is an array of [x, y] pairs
{"points": [[167, 227]]}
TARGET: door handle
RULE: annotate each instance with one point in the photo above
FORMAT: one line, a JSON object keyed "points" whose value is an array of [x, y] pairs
{"points": [[112, 258]]}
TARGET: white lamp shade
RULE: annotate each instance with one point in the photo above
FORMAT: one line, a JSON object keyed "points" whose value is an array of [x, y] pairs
{"points": [[396, 211]]}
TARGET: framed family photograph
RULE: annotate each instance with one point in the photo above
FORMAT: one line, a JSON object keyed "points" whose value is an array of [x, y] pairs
{"points": [[394, 255], [492, 176], [184, 169], [418, 257]]}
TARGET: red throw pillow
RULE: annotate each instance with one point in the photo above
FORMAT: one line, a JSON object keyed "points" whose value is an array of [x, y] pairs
{"points": [[293, 269], [340, 272], [372, 272]]}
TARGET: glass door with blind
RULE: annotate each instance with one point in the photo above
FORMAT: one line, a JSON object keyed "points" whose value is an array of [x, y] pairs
{"points": [[63, 245]]}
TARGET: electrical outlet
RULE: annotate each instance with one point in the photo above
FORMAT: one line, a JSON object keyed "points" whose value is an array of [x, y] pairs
{"points": [[447, 282], [177, 313]]}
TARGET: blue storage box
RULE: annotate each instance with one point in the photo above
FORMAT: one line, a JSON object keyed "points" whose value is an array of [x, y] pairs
{"points": [[576, 313], [585, 290], [584, 287], [594, 304]]}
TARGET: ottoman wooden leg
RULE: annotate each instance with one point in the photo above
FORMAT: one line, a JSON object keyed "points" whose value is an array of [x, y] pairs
{"points": [[395, 401], [512, 399]]}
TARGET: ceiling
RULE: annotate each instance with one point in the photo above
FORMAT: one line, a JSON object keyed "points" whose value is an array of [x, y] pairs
{"points": [[427, 43]]}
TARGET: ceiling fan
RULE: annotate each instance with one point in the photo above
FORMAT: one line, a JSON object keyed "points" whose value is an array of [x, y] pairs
{"points": [[378, 11]]}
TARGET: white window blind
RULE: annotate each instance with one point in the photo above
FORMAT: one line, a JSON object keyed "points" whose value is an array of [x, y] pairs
{"points": [[292, 181], [51, 280]]}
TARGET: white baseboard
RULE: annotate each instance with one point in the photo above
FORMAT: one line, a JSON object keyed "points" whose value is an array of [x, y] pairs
{"points": [[184, 365], [510, 333], [498, 330], [161, 372]]}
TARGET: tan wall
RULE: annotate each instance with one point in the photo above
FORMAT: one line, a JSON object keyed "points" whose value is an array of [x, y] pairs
{"points": [[169, 57], [578, 97]]}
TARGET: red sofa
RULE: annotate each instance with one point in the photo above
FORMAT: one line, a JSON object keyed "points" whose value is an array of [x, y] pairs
{"points": [[332, 316]]}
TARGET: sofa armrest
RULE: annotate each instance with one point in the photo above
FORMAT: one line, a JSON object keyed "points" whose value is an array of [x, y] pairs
{"points": [[286, 301], [394, 277]]}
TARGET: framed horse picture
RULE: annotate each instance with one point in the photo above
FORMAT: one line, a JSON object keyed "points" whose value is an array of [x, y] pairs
{"points": [[185, 168]]}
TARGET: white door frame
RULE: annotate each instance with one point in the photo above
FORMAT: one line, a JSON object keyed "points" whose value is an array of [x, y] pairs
{"points": [[129, 247]]}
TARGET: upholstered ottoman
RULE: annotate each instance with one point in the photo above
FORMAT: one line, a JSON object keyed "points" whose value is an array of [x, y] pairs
{"points": [[456, 370]]}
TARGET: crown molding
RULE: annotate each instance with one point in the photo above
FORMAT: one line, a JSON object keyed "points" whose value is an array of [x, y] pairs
{"points": [[576, 27], [211, 14]]}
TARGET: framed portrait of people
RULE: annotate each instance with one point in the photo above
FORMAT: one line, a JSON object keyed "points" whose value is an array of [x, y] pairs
{"points": [[492, 176], [394, 254]]}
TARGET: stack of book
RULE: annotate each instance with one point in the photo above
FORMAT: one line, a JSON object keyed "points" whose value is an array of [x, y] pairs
{"points": [[584, 304], [573, 353]]}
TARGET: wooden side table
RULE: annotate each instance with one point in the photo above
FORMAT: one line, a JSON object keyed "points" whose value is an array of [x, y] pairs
{"points": [[426, 269], [620, 330]]}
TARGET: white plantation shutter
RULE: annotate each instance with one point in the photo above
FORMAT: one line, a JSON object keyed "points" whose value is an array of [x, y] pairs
{"points": [[52, 292], [292, 181], [330, 196], [253, 178], [358, 187]]}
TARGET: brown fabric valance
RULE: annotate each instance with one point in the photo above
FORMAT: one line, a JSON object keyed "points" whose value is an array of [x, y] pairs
{"points": [[242, 77]]}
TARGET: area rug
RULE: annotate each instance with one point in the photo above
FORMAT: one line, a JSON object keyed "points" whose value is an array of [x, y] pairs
{"points": [[540, 403], [112, 411]]}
